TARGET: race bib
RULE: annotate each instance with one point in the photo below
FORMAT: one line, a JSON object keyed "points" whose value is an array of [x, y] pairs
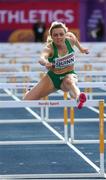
{"points": [[65, 61]]}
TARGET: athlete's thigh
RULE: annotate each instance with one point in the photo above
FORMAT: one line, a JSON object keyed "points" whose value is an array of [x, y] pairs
{"points": [[43, 88], [73, 78]]}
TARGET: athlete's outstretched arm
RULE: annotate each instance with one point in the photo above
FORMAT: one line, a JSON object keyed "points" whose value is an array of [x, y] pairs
{"points": [[47, 52], [76, 42], [44, 56], [81, 48]]}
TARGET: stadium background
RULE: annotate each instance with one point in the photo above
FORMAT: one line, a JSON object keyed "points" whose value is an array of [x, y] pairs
{"points": [[17, 17], [19, 65]]}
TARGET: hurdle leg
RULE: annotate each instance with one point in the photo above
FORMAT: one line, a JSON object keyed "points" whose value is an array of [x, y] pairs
{"points": [[42, 113], [72, 124], [101, 127], [65, 119], [26, 79], [88, 67], [46, 109], [13, 79]]}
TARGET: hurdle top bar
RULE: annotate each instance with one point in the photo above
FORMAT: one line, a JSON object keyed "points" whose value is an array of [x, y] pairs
{"points": [[27, 85], [47, 103], [32, 74]]}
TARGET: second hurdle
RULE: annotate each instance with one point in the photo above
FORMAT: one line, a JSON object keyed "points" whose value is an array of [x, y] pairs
{"points": [[63, 139]]}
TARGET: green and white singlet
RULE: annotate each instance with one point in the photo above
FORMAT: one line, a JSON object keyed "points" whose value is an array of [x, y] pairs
{"points": [[60, 63]]}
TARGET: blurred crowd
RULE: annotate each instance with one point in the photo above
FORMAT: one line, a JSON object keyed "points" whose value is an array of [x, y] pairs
{"points": [[39, 29]]}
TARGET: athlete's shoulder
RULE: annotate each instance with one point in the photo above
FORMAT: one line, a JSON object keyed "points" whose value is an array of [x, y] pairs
{"points": [[70, 34], [71, 37], [49, 48]]}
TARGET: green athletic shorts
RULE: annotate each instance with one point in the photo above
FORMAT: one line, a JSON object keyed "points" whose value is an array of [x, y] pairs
{"points": [[58, 78]]}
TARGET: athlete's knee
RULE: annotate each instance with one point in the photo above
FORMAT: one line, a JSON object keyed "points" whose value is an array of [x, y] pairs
{"points": [[74, 93], [26, 96], [30, 96], [68, 81]]}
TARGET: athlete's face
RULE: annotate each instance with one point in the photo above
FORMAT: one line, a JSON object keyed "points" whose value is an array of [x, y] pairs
{"points": [[58, 35]]}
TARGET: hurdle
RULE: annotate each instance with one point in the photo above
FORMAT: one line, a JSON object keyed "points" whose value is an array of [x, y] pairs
{"points": [[72, 122], [81, 85], [59, 103], [30, 73], [35, 75], [37, 67]]}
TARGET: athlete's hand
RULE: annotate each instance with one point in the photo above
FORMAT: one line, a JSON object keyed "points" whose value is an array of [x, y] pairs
{"points": [[84, 50], [49, 65], [45, 63], [42, 62]]}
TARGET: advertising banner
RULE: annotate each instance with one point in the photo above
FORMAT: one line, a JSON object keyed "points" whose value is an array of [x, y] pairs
{"points": [[21, 16]]}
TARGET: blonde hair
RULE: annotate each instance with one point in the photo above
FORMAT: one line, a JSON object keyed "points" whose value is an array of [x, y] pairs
{"points": [[54, 25]]}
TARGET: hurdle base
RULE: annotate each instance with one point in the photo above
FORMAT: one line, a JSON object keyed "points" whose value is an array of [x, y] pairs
{"points": [[84, 141], [44, 176]]}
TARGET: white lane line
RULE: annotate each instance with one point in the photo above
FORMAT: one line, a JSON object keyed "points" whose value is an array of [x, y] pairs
{"points": [[95, 110], [27, 108]]}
